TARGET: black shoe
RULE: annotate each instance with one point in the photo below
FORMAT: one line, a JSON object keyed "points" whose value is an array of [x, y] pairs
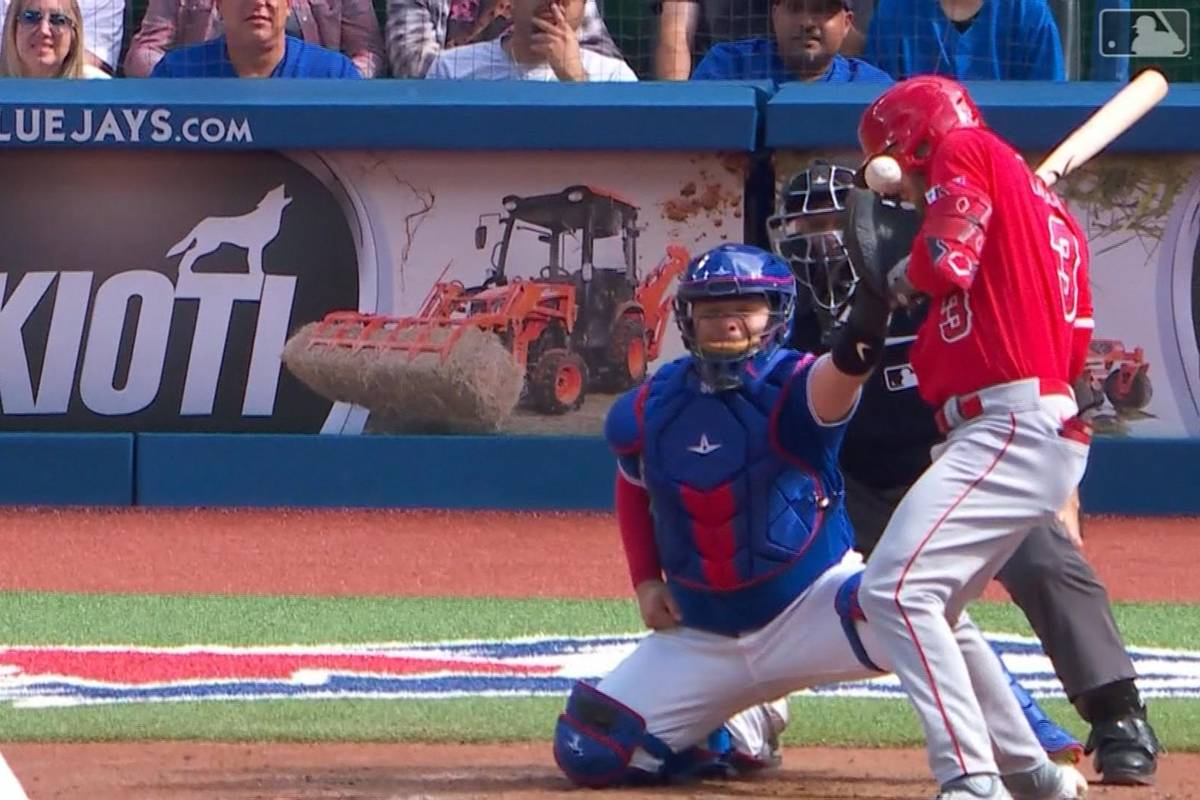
{"points": [[1126, 751]]}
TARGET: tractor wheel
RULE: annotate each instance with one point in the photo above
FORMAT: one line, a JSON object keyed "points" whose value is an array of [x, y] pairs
{"points": [[627, 354], [558, 382], [1128, 395]]}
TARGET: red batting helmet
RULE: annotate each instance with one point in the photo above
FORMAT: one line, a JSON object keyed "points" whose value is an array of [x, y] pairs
{"points": [[909, 120]]}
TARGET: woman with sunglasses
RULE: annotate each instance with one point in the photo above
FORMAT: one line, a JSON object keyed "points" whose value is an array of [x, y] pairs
{"points": [[44, 39]]}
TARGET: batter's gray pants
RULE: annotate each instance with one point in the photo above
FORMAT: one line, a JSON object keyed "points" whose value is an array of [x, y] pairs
{"points": [[1048, 578]]}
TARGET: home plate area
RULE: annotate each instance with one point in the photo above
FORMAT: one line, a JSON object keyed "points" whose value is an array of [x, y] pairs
{"points": [[196, 771]]}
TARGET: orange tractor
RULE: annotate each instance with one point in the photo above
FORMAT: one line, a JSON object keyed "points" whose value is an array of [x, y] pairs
{"points": [[1120, 374], [591, 324]]}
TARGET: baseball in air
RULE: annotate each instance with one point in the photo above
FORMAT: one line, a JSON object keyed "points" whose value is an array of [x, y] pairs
{"points": [[883, 175]]}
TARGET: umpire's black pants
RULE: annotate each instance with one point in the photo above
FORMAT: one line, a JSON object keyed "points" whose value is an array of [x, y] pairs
{"points": [[1048, 578]]}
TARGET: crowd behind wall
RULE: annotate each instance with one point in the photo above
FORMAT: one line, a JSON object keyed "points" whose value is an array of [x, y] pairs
{"points": [[781, 40]]}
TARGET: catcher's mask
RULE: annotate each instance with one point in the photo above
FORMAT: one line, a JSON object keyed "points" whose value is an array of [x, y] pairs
{"points": [[807, 231]]}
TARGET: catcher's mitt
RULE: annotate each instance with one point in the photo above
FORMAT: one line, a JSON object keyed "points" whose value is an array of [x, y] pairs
{"points": [[879, 236]]}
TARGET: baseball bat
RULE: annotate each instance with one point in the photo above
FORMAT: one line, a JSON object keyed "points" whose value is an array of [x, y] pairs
{"points": [[1108, 122]]}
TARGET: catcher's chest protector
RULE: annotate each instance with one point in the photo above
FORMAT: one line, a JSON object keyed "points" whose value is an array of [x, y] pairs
{"points": [[740, 524]]}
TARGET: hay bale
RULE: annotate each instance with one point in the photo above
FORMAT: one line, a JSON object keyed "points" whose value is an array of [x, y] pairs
{"points": [[473, 391]]}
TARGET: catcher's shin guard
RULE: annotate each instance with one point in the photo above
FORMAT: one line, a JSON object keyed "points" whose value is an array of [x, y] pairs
{"points": [[1060, 745], [596, 738], [599, 742]]}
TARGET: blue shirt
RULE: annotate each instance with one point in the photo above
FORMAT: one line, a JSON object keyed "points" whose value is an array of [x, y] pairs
{"points": [[758, 59], [211, 60], [1007, 40]]}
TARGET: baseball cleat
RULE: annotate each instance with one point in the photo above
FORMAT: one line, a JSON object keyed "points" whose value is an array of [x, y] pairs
{"points": [[1126, 751], [975, 787]]}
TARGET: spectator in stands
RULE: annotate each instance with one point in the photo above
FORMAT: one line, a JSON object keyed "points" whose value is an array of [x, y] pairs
{"points": [[543, 45], [856, 39], [102, 27], [418, 30], [44, 39], [808, 35], [688, 28], [255, 45], [966, 39], [346, 25]]}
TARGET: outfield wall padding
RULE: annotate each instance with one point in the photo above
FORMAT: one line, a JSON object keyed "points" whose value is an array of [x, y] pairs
{"points": [[66, 469], [1150, 477], [464, 472]]}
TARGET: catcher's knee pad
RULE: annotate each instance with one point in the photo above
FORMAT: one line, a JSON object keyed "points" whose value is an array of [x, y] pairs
{"points": [[850, 611], [596, 737]]}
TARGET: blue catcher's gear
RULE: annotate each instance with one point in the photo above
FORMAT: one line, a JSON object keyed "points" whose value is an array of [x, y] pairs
{"points": [[850, 610], [747, 497], [727, 272], [596, 737], [1060, 745]]}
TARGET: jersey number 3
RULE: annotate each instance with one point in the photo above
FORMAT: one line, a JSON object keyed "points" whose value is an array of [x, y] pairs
{"points": [[1066, 247]]}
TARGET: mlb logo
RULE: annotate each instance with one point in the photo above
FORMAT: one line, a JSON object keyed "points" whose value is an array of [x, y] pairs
{"points": [[899, 377], [1145, 33]]}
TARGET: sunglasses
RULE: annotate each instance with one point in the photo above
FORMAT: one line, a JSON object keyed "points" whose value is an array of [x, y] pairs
{"points": [[57, 19]]}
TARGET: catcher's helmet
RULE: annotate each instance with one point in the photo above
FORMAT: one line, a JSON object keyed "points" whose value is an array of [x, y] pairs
{"points": [[910, 119], [729, 271], [807, 231]]}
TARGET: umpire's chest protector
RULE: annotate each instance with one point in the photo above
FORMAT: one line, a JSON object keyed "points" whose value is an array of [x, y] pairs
{"points": [[739, 524]]}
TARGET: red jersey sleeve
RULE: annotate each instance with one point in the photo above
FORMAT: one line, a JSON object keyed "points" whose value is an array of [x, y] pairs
{"points": [[1084, 321], [947, 251], [637, 529]]}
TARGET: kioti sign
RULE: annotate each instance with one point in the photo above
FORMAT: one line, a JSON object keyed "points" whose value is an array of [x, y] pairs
{"points": [[154, 292]]}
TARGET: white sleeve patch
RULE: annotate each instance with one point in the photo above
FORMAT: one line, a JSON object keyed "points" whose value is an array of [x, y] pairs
{"points": [[808, 397]]}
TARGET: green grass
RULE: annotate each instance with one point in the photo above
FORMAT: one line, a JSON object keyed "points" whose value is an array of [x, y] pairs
{"points": [[1142, 624], [51, 618], [41, 618]]}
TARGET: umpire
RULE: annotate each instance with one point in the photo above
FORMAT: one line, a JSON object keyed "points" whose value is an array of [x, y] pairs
{"points": [[887, 447]]}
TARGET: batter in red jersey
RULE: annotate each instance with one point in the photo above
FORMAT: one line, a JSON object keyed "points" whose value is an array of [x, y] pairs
{"points": [[1006, 266], [1005, 269]]}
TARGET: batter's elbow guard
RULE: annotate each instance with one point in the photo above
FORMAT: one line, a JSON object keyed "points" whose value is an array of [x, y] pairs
{"points": [[858, 346]]}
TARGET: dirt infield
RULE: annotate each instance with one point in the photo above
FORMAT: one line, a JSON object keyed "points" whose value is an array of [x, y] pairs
{"points": [[196, 771], [430, 554]]}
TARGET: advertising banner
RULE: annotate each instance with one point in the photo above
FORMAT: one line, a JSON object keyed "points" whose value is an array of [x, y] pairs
{"points": [[156, 291]]}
